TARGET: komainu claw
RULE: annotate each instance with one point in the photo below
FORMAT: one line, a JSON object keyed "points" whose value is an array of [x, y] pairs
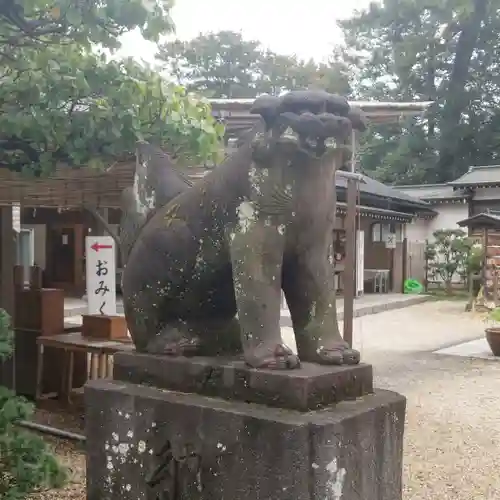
{"points": [[338, 355], [282, 358]]}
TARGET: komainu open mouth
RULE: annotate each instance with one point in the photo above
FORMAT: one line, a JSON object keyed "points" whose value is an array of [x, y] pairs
{"points": [[314, 120]]}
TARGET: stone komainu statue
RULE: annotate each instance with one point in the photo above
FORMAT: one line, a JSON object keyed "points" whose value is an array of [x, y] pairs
{"points": [[208, 261]]}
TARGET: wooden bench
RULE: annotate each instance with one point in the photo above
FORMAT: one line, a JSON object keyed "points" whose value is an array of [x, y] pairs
{"points": [[100, 353]]}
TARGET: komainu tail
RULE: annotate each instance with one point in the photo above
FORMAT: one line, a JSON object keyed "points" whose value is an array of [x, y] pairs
{"points": [[156, 181]]}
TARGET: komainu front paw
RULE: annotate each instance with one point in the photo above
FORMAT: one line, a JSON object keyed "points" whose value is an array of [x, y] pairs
{"points": [[326, 352], [281, 357], [337, 356]]}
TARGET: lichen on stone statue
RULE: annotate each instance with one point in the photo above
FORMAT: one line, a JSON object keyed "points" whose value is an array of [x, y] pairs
{"points": [[208, 263]]}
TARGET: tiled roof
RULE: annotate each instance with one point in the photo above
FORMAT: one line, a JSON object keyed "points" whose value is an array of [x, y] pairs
{"points": [[372, 187], [488, 175], [488, 220], [433, 192]]}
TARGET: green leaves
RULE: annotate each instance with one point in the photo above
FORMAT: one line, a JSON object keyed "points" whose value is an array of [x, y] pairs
{"points": [[411, 50], [26, 463], [61, 103], [449, 254], [494, 315], [38, 22], [6, 339], [68, 105]]}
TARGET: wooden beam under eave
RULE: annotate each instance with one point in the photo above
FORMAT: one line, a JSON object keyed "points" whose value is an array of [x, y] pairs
{"points": [[350, 249]]}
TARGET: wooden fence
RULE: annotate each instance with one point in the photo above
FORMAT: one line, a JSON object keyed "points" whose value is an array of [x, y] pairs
{"points": [[416, 263]]}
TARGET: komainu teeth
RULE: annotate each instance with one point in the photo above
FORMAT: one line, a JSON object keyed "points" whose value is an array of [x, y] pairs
{"points": [[289, 134]]}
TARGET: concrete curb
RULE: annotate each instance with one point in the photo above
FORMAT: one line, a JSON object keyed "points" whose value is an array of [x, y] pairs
{"points": [[389, 306], [404, 301]]}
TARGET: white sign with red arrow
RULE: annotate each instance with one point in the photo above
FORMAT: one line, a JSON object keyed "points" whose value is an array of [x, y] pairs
{"points": [[100, 257]]}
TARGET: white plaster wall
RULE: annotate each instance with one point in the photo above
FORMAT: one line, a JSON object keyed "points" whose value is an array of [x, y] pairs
{"points": [[40, 235], [417, 231], [487, 194], [447, 218]]}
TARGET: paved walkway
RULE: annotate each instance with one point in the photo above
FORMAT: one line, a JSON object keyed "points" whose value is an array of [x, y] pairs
{"points": [[367, 304]]}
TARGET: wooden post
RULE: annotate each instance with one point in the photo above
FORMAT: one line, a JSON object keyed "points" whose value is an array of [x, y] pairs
{"points": [[470, 301], [485, 264], [7, 261], [405, 263], [36, 277], [495, 286], [350, 259], [18, 277], [426, 277], [350, 245], [392, 266]]}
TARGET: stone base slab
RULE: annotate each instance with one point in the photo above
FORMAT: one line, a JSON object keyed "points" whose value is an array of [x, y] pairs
{"points": [[145, 443], [311, 387]]}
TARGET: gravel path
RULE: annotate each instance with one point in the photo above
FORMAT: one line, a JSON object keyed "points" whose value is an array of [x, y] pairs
{"points": [[453, 418], [452, 434]]}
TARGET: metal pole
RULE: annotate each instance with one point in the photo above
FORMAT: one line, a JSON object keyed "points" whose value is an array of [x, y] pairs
{"points": [[53, 431]]}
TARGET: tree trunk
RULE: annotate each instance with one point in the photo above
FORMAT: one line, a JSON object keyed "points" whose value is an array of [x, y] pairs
{"points": [[456, 100], [430, 83]]}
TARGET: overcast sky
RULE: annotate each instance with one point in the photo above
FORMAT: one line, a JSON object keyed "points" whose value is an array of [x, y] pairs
{"points": [[303, 27]]}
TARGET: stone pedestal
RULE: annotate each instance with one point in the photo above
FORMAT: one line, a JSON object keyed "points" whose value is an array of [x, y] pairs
{"points": [[307, 443], [310, 388]]}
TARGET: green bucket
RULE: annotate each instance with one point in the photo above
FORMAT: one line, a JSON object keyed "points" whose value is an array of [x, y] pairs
{"points": [[413, 286]]}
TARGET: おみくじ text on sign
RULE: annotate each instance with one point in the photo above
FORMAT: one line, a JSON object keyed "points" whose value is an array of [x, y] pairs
{"points": [[101, 275]]}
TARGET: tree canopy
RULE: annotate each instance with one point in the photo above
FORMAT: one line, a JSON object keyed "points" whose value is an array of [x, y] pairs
{"points": [[445, 51], [224, 65], [440, 50], [62, 102], [54, 87], [38, 22]]}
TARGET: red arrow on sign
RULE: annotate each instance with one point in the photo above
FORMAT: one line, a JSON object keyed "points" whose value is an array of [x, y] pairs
{"points": [[97, 246]]}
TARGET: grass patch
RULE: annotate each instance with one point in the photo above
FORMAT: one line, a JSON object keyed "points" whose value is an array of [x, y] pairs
{"points": [[439, 294]]}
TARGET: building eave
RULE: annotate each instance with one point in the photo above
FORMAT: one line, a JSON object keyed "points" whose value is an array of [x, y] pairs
{"points": [[483, 220], [474, 185], [377, 213], [451, 200]]}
